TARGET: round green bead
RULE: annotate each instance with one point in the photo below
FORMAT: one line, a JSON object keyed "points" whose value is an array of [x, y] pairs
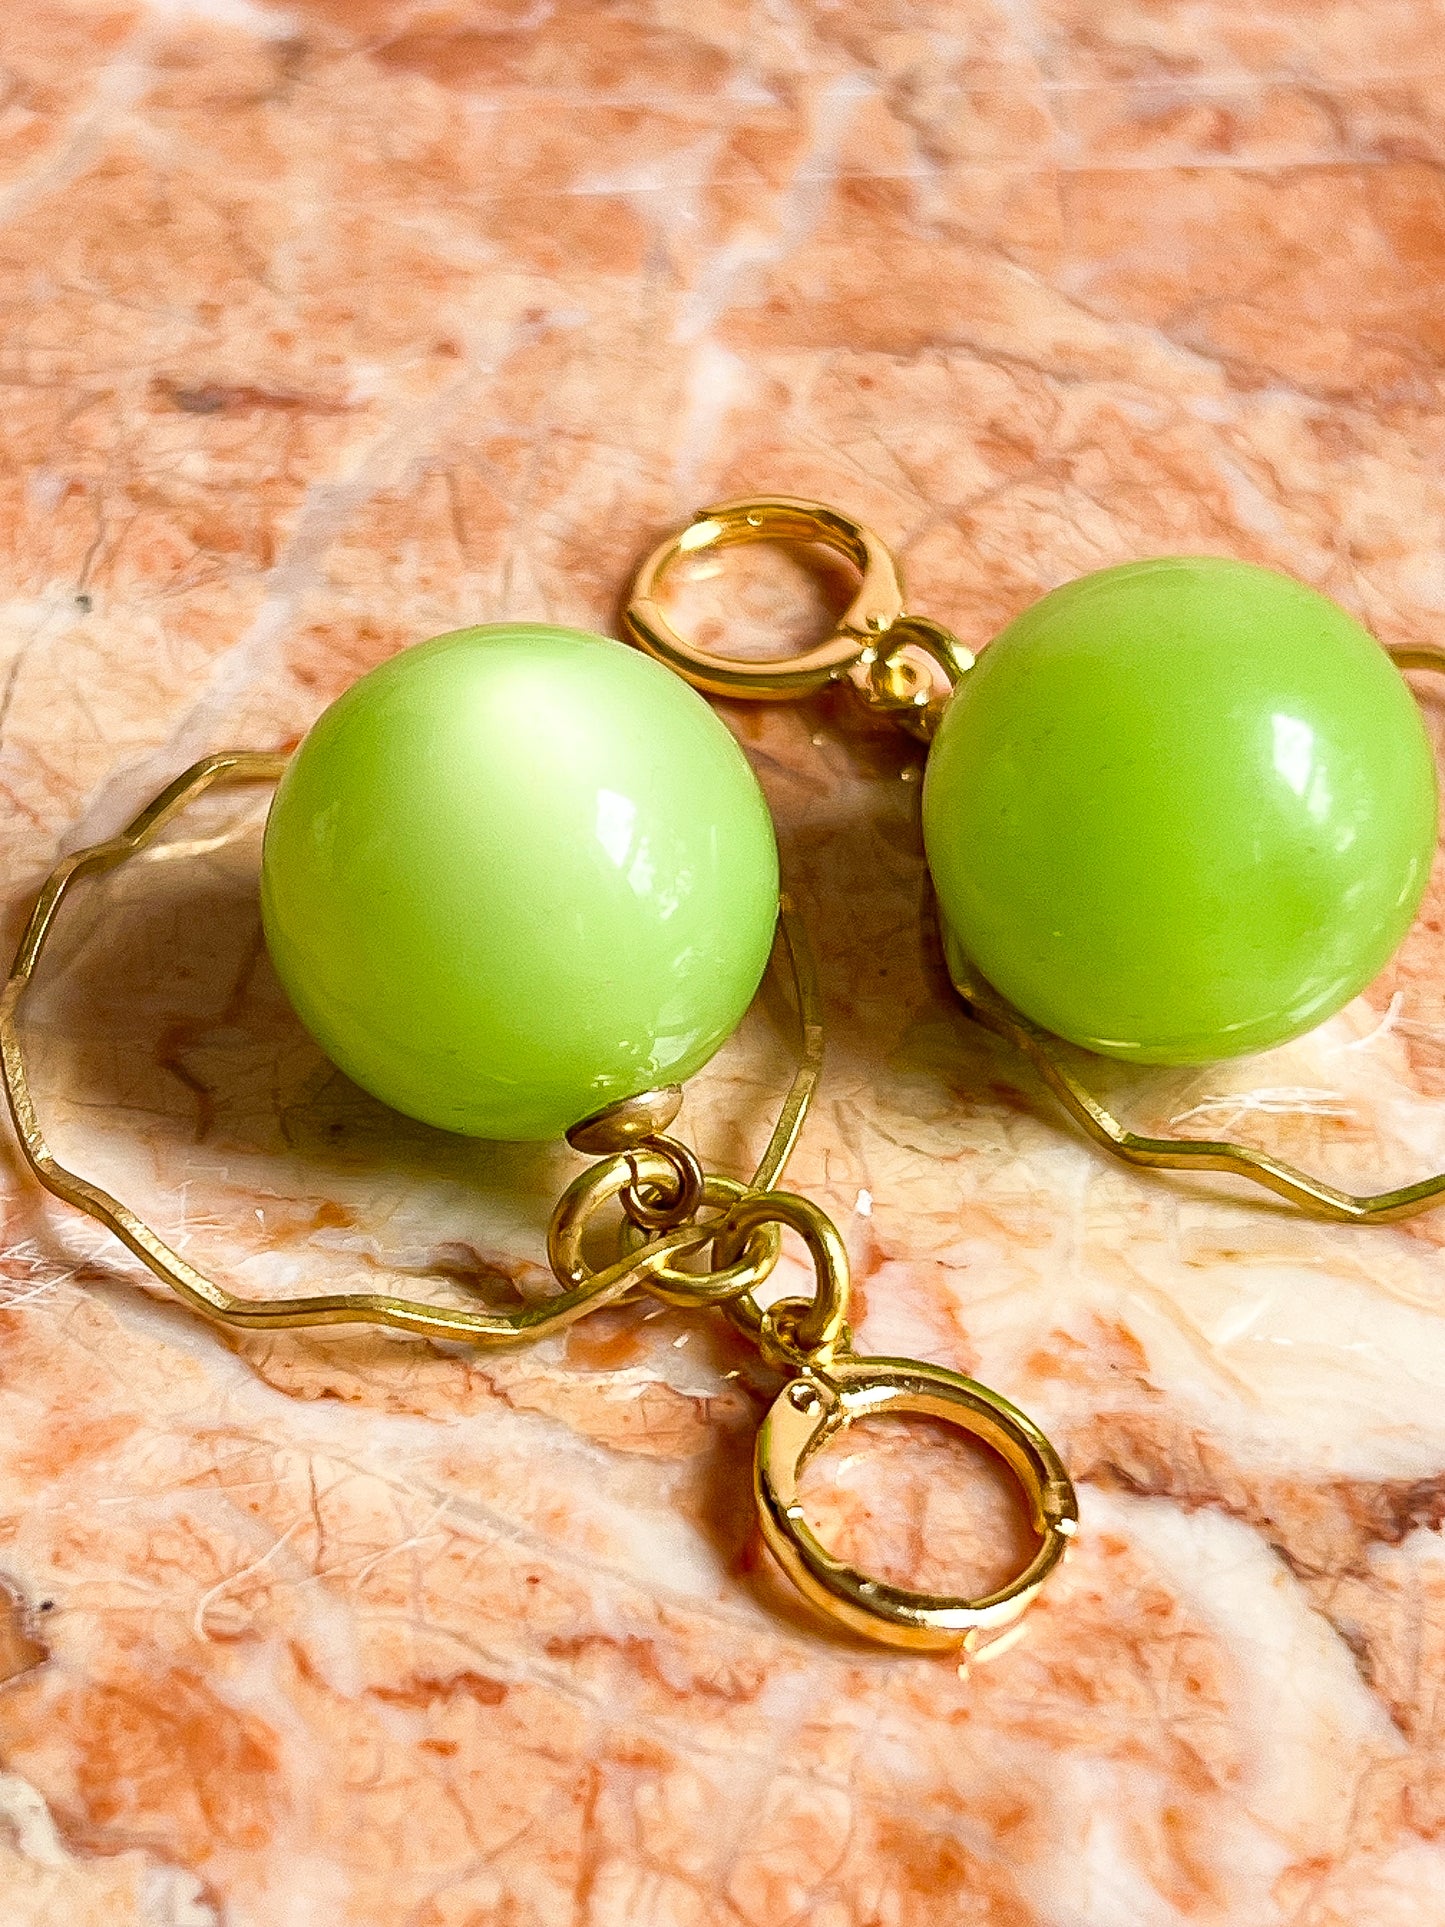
{"points": [[1180, 810], [515, 874]]}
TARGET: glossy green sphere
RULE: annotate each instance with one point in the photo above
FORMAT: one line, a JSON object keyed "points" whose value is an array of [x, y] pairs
{"points": [[515, 874], [1180, 810]]}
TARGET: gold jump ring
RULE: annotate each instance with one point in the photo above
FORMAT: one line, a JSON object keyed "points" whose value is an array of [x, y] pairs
{"points": [[815, 1409]]}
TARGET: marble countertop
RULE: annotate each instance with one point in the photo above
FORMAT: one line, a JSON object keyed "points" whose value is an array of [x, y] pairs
{"points": [[333, 325]]}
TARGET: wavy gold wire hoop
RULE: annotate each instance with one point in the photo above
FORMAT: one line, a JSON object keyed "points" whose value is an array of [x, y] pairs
{"points": [[654, 1255], [906, 667]]}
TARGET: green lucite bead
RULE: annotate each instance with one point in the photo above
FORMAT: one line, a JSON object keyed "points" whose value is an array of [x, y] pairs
{"points": [[1180, 810], [515, 874]]}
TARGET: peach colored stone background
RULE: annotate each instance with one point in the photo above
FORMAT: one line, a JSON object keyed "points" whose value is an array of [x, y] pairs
{"points": [[331, 326]]}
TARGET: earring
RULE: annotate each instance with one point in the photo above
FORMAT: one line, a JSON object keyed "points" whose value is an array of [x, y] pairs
{"points": [[1179, 810], [520, 882]]}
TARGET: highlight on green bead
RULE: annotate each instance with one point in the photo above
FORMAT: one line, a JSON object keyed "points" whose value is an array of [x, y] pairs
{"points": [[518, 873], [1180, 810]]}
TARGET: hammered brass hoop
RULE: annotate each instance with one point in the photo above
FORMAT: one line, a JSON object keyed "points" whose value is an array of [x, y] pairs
{"points": [[585, 1291], [816, 1409]]}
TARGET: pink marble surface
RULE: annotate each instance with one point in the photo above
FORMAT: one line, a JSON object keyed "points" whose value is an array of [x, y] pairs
{"points": [[332, 326]]}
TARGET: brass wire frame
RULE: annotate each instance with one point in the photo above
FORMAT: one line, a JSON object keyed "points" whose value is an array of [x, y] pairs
{"points": [[877, 647], [520, 1326], [1286, 1180]]}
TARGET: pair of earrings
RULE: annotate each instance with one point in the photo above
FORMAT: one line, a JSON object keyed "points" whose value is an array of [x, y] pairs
{"points": [[520, 882]]}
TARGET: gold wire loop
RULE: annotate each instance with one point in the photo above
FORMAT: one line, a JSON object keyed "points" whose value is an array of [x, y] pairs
{"points": [[815, 1409], [749, 1261], [657, 1207], [909, 676], [768, 518], [821, 1325], [590, 1194], [781, 1342]]}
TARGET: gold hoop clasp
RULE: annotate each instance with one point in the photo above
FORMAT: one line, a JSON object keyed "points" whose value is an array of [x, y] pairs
{"points": [[769, 518], [815, 1409]]}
